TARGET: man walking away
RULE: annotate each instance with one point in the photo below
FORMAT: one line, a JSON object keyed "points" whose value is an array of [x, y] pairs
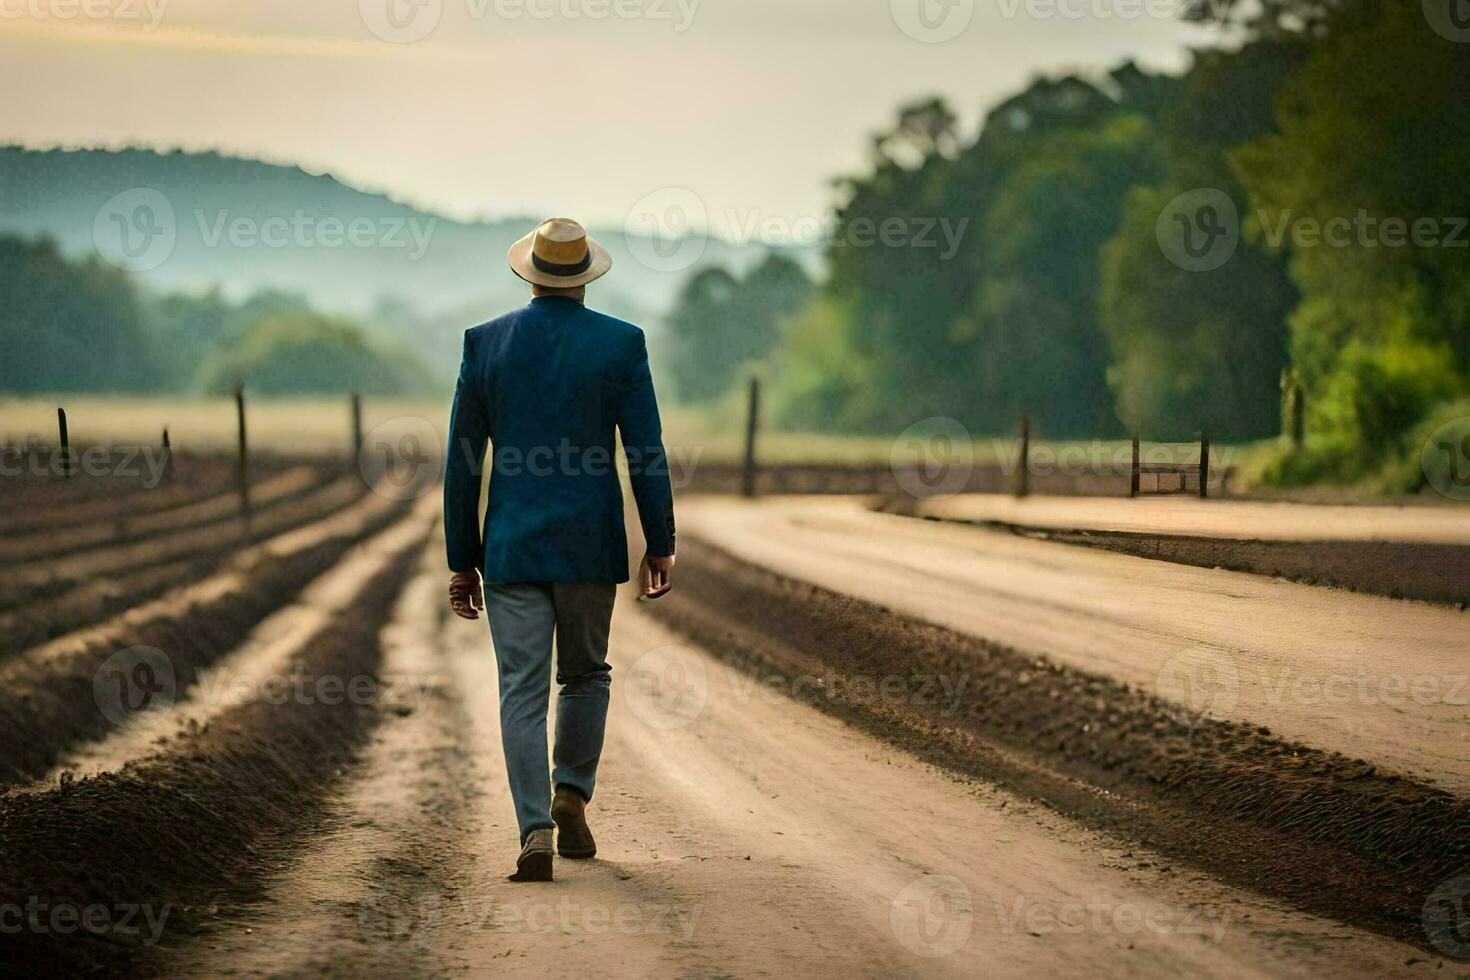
{"points": [[546, 386]]}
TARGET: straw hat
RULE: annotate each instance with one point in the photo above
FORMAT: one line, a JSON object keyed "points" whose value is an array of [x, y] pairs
{"points": [[559, 253]]}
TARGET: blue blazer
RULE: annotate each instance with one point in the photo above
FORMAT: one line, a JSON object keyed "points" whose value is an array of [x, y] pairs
{"points": [[546, 385]]}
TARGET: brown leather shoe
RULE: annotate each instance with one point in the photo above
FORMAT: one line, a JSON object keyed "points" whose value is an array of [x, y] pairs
{"points": [[569, 813], [534, 864]]}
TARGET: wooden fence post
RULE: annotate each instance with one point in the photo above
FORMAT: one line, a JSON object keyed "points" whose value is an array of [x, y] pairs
{"points": [[1294, 408], [1023, 475], [65, 443], [242, 472], [356, 427], [1204, 466], [1298, 416], [752, 424], [1137, 470]]}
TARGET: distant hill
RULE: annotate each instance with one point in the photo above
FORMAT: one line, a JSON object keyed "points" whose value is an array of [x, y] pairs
{"points": [[440, 273]]}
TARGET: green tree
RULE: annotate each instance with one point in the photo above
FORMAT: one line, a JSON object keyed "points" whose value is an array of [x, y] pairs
{"points": [[1374, 140], [190, 329], [1039, 345], [826, 382], [769, 296], [1193, 350], [699, 325], [720, 324], [1004, 320], [69, 326], [299, 354], [899, 299]]}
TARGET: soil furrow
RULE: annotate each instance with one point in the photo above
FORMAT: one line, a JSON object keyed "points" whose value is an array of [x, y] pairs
{"points": [[27, 583], [53, 697], [1329, 833], [34, 503], [1399, 570], [54, 543], [202, 821], [388, 866], [92, 602], [259, 663], [66, 604]]}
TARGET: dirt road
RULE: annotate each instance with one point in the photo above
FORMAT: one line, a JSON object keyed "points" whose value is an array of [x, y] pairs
{"points": [[1253, 519], [741, 834], [1419, 552], [1372, 678]]}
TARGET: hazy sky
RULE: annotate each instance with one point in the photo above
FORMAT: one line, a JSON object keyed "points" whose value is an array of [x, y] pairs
{"points": [[582, 107]]}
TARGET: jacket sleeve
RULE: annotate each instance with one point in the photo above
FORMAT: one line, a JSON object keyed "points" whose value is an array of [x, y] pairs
{"points": [[469, 430], [643, 444]]}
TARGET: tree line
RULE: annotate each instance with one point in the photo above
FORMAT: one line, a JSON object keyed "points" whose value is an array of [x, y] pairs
{"points": [[1326, 152], [83, 325]]}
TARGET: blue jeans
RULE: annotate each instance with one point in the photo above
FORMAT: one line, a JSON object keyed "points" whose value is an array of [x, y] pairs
{"points": [[524, 617]]}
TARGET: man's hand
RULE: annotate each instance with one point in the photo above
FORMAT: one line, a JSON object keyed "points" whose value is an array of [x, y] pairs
{"points": [[655, 576], [465, 596]]}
